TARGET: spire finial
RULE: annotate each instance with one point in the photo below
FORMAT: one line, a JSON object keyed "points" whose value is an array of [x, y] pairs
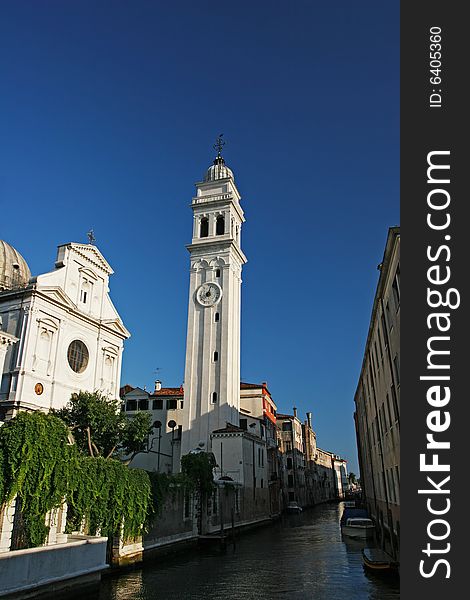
{"points": [[219, 144], [91, 237]]}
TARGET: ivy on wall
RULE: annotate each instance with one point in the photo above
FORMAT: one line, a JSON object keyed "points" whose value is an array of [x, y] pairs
{"points": [[36, 461], [38, 465], [197, 468]]}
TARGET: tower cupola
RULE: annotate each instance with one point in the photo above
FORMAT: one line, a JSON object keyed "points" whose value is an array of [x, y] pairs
{"points": [[218, 169]]}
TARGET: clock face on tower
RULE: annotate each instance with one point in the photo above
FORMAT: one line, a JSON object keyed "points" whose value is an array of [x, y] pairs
{"points": [[208, 294]]}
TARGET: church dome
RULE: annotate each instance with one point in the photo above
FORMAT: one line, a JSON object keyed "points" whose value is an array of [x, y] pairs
{"points": [[218, 170], [14, 271]]}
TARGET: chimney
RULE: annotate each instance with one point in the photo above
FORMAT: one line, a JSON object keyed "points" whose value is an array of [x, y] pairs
{"points": [[158, 385], [309, 419], [295, 411]]}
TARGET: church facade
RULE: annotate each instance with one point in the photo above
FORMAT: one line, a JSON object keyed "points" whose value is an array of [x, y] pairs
{"points": [[69, 336]]}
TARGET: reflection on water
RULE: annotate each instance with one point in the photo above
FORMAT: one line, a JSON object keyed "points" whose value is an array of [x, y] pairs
{"points": [[302, 556]]}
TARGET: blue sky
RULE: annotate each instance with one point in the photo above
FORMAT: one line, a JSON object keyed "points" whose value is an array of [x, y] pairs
{"points": [[108, 114]]}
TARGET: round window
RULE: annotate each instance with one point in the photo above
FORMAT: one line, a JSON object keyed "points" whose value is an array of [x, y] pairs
{"points": [[77, 355]]}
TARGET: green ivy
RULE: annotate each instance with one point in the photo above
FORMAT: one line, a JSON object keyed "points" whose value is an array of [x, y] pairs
{"points": [[36, 461], [197, 467], [38, 465]]}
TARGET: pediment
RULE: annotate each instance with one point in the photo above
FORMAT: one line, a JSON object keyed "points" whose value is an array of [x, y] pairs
{"points": [[136, 393], [88, 273], [48, 322], [57, 294], [117, 326], [93, 256]]}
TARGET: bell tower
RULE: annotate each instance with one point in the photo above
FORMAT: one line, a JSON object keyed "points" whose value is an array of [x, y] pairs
{"points": [[212, 370]]}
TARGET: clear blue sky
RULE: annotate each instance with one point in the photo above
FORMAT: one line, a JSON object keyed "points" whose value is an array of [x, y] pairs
{"points": [[108, 113]]}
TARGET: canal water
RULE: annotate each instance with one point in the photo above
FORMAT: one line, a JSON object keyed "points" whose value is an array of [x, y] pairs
{"points": [[301, 556]]}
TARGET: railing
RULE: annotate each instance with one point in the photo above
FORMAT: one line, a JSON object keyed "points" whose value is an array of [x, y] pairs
{"points": [[211, 198]]}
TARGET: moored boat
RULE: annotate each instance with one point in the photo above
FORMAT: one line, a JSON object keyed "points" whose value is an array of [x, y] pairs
{"points": [[378, 561], [358, 527], [355, 523], [293, 508]]}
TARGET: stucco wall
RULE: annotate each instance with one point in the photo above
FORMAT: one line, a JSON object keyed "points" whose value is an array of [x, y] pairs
{"points": [[26, 569]]}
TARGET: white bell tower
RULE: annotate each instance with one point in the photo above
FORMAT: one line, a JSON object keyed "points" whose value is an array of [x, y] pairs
{"points": [[212, 372]]}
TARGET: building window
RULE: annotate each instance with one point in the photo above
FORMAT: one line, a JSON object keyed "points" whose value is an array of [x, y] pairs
{"points": [[143, 404], [216, 356], [85, 291], [244, 424], [158, 404], [291, 497], [216, 317], [384, 329], [220, 225], [289, 463], [389, 413], [181, 404], [171, 404], [376, 356], [287, 426], [396, 288], [396, 367], [77, 355], [262, 483], [204, 230], [214, 398], [131, 405], [389, 319], [217, 272]]}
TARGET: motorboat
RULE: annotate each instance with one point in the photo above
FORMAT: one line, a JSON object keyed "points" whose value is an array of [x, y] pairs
{"points": [[355, 523], [358, 527], [293, 507]]}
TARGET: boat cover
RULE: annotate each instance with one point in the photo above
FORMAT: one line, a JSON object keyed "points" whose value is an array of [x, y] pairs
{"points": [[351, 513]]}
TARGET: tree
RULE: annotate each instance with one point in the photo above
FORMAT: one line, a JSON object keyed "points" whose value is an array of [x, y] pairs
{"points": [[198, 468], [101, 429]]}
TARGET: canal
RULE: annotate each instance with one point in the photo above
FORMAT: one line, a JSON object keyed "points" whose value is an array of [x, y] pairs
{"points": [[301, 556]]}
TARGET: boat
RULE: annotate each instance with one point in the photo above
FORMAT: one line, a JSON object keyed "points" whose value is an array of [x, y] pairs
{"points": [[358, 527], [355, 523], [378, 561], [293, 507]]}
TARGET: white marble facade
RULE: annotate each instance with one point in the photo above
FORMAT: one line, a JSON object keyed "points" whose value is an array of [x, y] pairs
{"points": [[70, 336]]}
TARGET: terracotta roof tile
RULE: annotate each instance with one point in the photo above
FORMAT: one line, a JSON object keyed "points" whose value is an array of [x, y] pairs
{"points": [[229, 429], [169, 392], [250, 386], [126, 389]]}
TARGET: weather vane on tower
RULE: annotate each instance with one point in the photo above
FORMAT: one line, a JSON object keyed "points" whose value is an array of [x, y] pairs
{"points": [[219, 144]]}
